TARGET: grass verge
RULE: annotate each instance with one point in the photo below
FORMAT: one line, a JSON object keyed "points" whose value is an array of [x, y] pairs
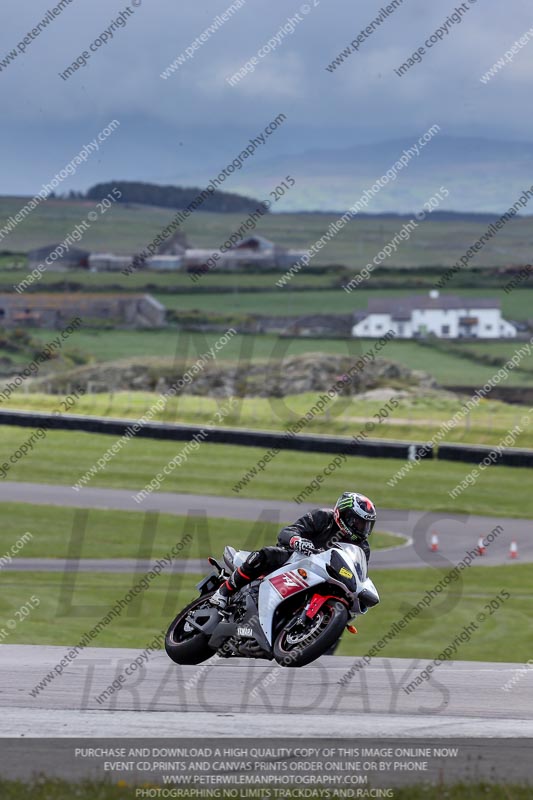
{"points": [[449, 369], [63, 532], [64, 457], [71, 604], [416, 418]]}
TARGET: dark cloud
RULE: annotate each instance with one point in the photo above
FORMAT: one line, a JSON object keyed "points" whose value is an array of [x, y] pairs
{"points": [[195, 118]]}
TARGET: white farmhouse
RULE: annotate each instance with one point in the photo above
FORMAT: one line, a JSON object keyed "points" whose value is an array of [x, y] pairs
{"points": [[447, 316]]}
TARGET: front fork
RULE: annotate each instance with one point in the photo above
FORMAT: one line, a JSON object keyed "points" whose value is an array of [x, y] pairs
{"points": [[313, 606]]}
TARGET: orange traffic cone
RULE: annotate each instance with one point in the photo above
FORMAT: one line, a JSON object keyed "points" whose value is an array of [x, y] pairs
{"points": [[434, 543], [513, 550], [481, 546]]}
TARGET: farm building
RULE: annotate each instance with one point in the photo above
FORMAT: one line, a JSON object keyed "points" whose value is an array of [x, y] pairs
{"points": [[165, 262], [57, 256], [447, 316], [108, 262], [44, 310], [176, 245], [254, 251]]}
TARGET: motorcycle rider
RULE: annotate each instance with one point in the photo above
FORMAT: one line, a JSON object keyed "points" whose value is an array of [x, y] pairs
{"points": [[352, 519]]}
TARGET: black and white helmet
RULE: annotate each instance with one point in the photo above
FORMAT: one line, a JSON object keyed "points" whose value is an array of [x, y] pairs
{"points": [[355, 515]]}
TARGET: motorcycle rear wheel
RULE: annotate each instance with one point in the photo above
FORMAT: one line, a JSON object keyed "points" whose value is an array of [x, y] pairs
{"points": [[296, 649], [187, 647]]}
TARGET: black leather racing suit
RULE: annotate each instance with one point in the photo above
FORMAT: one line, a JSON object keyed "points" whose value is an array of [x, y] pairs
{"points": [[318, 526]]}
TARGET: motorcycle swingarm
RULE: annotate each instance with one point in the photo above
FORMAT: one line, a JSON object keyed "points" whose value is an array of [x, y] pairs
{"points": [[229, 629], [213, 619]]}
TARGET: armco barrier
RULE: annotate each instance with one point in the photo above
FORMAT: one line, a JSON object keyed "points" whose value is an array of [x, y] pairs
{"points": [[474, 454], [311, 443]]}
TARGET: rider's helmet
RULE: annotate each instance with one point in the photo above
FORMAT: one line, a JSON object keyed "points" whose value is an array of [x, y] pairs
{"points": [[355, 515]]}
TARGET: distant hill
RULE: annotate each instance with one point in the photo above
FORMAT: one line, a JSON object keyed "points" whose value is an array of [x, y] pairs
{"points": [[176, 197], [482, 175]]}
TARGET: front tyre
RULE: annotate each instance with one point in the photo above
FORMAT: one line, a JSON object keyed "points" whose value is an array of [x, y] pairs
{"points": [[311, 639], [183, 643]]}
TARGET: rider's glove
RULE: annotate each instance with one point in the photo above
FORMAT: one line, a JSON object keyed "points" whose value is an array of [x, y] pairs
{"points": [[302, 545]]}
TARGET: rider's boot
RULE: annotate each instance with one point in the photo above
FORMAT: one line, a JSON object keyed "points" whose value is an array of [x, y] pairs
{"points": [[223, 594]]}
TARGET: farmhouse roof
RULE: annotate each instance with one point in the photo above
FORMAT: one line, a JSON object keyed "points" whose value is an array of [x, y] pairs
{"points": [[44, 252], [42, 300], [255, 243]]}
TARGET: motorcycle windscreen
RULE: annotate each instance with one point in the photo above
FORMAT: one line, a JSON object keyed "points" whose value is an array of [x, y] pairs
{"points": [[356, 558]]}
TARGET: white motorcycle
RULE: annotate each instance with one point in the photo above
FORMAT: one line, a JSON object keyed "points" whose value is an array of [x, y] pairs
{"points": [[293, 615]]}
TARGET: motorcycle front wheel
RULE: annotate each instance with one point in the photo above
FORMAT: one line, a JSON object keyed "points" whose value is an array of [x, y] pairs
{"points": [[183, 643], [310, 639]]}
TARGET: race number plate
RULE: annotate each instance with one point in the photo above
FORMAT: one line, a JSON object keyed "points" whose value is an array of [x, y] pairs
{"points": [[288, 583]]}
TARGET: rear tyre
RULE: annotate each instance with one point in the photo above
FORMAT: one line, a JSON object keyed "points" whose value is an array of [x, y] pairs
{"points": [[313, 638], [183, 643]]}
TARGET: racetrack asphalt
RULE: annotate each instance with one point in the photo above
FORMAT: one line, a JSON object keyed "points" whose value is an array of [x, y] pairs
{"points": [[457, 534], [241, 697]]}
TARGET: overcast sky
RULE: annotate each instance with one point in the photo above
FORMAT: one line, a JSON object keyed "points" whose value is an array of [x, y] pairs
{"points": [[195, 119]]}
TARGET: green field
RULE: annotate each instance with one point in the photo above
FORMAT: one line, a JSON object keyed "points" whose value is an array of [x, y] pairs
{"points": [[448, 369], [416, 417], [499, 638], [517, 305], [64, 457], [165, 282], [331, 277], [129, 228]]}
